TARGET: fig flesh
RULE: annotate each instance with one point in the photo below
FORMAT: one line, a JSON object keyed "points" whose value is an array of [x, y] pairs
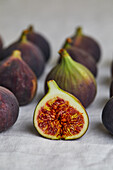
{"points": [[17, 76], [9, 109], [40, 41], [60, 115], [81, 56], [86, 43], [107, 115], [74, 78]]}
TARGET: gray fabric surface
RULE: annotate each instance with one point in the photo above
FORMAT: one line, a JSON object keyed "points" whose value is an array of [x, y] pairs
{"points": [[21, 147]]}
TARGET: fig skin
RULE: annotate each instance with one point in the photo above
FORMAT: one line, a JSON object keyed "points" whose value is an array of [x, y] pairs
{"points": [[40, 41], [111, 89], [9, 109], [31, 54], [87, 44], [74, 78], [107, 115], [60, 115], [81, 56], [17, 76], [1, 43]]}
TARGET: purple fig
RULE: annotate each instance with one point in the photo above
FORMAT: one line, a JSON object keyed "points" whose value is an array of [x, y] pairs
{"points": [[40, 41], [86, 43], [31, 54], [17, 76], [9, 109]]}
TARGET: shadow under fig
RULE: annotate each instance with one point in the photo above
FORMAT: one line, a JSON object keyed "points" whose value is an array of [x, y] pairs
{"points": [[103, 130], [31, 129]]}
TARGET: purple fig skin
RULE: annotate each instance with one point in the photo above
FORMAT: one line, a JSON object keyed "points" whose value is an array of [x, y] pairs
{"points": [[83, 58], [33, 57], [1, 43], [17, 76], [31, 54], [111, 89], [9, 109], [87, 44], [6, 52], [107, 115], [40, 41]]}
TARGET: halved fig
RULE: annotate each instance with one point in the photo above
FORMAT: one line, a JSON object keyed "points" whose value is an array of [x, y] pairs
{"points": [[60, 115]]}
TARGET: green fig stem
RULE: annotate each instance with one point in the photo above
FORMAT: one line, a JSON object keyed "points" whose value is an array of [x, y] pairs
{"points": [[78, 32], [52, 85], [65, 56], [16, 54], [23, 37], [68, 43]]}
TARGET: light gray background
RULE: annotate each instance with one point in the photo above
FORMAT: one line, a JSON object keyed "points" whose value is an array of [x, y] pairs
{"points": [[21, 147]]}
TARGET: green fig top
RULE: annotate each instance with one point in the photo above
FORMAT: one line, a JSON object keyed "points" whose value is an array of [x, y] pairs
{"points": [[76, 78], [23, 37], [59, 115], [73, 66]]}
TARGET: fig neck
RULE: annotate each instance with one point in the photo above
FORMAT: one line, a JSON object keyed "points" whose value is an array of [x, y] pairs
{"points": [[16, 54], [78, 32], [23, 37], [65, 58], [30, 28], [52, 86], [67, 44]]}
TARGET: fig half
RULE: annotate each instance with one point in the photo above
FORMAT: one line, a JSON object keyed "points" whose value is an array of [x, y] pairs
{"points": [[60, 115]]}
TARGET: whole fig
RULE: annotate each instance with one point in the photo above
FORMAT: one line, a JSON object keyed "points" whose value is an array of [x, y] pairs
{"points": [[107, 115], [86, 43], [81, 56], [31, 54], [17, 76], [40, 41], [9, 109], [74, 78], [60, 115]]}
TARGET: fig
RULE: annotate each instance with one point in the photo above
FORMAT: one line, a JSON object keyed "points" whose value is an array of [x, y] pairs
{"points": [[86, 43], [74, 78], [17, 76], [81, 56], [9, 109], [40, 41], [60, 115], [111, 89], [107, 115], [1, 43], [31, 54]]}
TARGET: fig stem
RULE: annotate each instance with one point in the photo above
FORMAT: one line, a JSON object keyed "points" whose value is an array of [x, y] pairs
{"points": [[16, 54], [23, 36], [78, 31], [30, 28], [68, 43]]}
